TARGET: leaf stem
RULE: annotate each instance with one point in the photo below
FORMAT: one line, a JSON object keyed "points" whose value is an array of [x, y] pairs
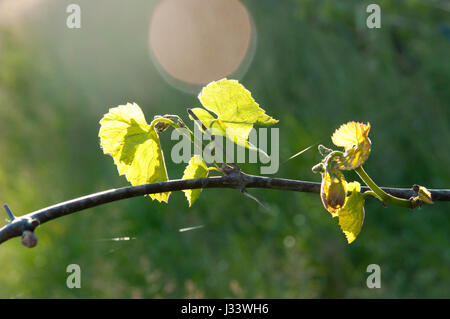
{"points": [[179, 127], [208, 133], [381, 194], [215, 169], [371, 193], [194, 141]]}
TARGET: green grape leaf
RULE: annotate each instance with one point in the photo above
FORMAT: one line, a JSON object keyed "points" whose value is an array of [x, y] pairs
{"points": [[351, 216], [134, 145], [353, 136], [235, 109], [195, 169]]}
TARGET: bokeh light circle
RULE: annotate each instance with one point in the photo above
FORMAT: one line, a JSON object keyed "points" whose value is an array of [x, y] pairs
{"points": [[194, 42]]}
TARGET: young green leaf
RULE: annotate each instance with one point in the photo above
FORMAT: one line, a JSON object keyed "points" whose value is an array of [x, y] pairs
{"points": [[134, 146], [353, 137], [235, 109], [196, 169], [351, 216]]}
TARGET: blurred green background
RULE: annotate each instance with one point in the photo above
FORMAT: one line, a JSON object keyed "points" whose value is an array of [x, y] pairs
{"points": [[316, 65]]}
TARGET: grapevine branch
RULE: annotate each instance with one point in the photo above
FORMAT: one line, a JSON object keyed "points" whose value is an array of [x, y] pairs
{"points": [[19, 226]]}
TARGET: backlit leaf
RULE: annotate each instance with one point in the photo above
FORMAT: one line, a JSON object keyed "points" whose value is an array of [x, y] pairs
{"points": [[353, 137], [196, 169], [134, 145], [235, 109], [351, 216]]}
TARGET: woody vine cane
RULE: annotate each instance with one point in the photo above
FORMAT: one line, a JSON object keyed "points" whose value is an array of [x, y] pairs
{"points": [[228, 111]]}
